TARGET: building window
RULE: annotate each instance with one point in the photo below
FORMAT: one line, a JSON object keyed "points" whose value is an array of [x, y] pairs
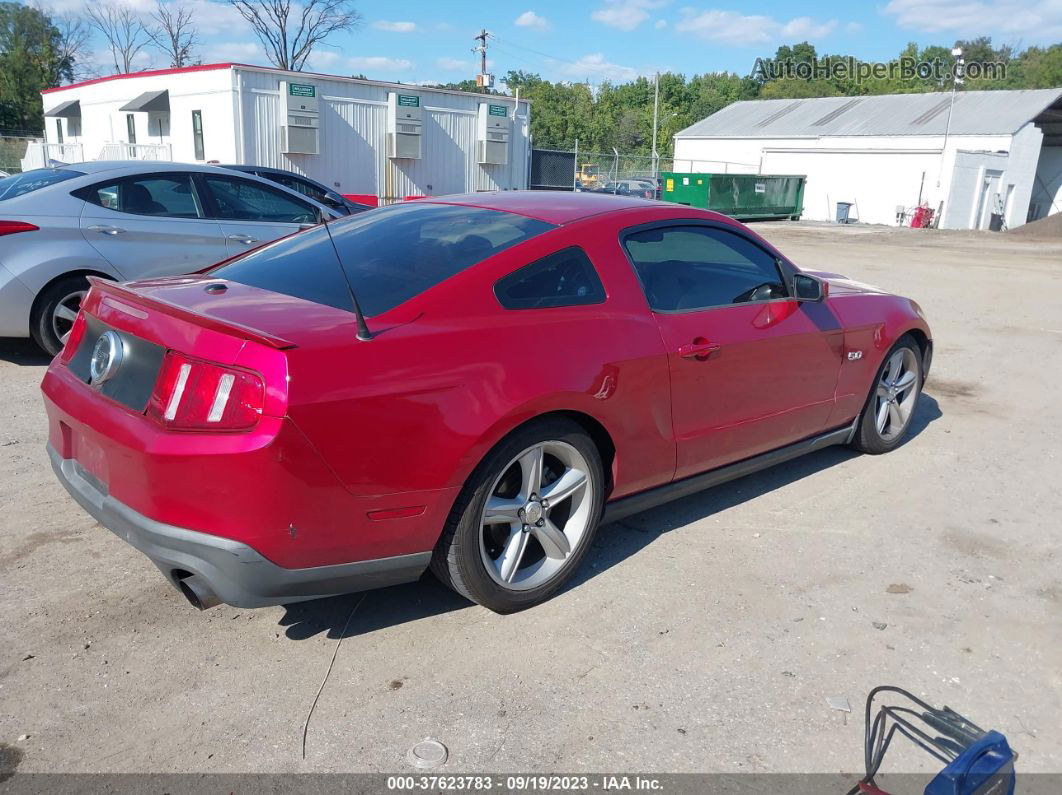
{"points": [[59, 131], [130, 128], [197, 134]]}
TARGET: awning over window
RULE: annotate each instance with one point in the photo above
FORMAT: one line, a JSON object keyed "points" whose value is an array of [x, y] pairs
{"points": [[66, 110], [150, 100]]}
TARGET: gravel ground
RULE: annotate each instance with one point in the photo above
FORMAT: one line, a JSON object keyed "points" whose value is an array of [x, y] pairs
{"points": [[702, 636]]}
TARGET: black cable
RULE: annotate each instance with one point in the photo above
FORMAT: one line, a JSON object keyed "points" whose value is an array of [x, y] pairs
{"points": [[878, 734]]}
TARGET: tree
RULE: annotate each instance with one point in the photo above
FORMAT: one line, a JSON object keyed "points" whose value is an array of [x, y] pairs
{"points": [[74, 34], [289, 33], [124, 31], [31, 59], [174, 33]]}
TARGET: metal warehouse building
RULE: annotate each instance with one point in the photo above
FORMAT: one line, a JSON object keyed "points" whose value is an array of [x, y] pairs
{"points": [[359, 136], [965, 155]]}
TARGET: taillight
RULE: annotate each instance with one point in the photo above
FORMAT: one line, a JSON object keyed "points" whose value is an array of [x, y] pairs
{"points": [[73, 339], [13, 227], [193, 395]]}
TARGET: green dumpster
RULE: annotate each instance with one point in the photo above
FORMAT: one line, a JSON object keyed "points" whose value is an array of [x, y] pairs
{"points": [[746, 197]]}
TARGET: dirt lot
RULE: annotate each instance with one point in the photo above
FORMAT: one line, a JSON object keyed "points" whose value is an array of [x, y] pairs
{"points": [[702, 636]]}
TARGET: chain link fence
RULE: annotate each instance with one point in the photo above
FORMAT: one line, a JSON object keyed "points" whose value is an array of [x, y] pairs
{"points": [[577, 169], [13, 145], [595, 169]]}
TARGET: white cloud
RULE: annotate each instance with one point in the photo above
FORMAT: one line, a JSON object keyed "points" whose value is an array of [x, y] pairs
{"points": [[594, 66], [807, 28], [853, 27], [380, 63], [324, 58], [453, 64], [731, 27], [660, 24], [395, 27], [240, 51], [529, 19], [1035, 20], [625, 14]]}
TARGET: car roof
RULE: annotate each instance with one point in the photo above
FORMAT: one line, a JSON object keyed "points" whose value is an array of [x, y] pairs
{"points": [[554, 207], [127, 168]]}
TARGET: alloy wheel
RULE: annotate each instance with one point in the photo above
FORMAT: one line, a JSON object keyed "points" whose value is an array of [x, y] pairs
{"points": [[65, 313], [896, 394], [537, 513]]}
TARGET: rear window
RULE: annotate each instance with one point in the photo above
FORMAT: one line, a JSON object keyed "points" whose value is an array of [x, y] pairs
{"points": [[29, 181], [390, 254]]}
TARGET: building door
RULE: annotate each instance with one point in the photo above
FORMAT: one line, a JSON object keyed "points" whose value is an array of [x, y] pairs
{"points": [[987, 199]]}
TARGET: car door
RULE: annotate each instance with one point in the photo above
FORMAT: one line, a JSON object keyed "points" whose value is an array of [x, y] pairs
{"points": [[252, 213], [151, 224], [751, 368]]}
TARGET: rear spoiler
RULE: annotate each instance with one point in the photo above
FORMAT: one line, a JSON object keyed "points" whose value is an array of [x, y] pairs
{"points": [[122, 292]]}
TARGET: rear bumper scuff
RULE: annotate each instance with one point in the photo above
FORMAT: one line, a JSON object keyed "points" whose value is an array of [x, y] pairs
{"points": [[236, 573]]}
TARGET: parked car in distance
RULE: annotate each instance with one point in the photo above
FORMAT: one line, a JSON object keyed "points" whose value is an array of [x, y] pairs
{"points": [[641, 188], [471, 383], [306, 186], [125, 220]]}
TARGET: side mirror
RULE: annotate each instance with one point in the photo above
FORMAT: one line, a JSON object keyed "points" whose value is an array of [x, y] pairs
{"points": [[808, 288]]}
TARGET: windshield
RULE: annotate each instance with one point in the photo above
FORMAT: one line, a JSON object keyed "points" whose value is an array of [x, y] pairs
{"points": [[29, 181], [390, 254]]}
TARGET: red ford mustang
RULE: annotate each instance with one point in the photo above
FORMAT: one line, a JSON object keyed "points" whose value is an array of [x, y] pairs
{"points": [[472, 383]]}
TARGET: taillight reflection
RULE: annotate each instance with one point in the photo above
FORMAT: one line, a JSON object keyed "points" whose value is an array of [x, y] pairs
{"points": [[194, 395]]}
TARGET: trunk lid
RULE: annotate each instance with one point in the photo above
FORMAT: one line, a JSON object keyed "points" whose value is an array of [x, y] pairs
{"points": [[273, 319]]}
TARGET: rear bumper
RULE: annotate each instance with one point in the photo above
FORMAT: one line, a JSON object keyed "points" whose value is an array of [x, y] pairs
{"points": [[233, 571], [15, 302]]}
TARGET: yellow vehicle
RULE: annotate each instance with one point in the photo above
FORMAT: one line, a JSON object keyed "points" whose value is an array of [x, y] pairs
{"points": [[589, 177]]}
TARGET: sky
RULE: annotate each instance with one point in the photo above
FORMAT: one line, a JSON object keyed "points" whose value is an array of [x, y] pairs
{"points": [[419, 41]]}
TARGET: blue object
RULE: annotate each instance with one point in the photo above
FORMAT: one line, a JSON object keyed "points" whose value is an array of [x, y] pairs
{"points": [[985, 768]]}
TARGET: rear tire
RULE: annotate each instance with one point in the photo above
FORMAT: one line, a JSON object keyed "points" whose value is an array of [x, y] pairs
{"points": [[893, 399], [54, 312], [516, 534]]}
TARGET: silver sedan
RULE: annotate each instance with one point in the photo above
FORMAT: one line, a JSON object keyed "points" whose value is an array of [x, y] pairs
{"points": [[124, 220]]}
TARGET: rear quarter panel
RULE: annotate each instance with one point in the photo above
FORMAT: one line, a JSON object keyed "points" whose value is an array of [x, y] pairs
{"points": [[451, 372]]}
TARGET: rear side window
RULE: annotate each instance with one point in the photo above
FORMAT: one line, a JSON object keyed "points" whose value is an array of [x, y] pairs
{"points": [[168, 195], [29, 181], [390, 254], [243, 200], [565, 278]]}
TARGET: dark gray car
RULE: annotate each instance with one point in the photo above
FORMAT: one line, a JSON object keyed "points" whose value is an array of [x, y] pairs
{"points": [[306, 186]]}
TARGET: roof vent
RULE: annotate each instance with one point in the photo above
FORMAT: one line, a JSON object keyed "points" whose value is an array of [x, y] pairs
{"points": [[933, 112], [833, 114], [778, 114]]}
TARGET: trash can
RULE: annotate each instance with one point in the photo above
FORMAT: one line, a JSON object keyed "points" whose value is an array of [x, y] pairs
{"points": [[995, 222], [842, 211]]}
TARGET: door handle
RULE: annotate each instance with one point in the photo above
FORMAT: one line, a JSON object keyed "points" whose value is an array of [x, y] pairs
{"points": [[245, 239], [700, 349], [106, 229]]}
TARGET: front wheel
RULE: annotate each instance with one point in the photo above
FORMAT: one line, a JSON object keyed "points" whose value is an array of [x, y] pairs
{"points": [[525, 519], [886, 418]]}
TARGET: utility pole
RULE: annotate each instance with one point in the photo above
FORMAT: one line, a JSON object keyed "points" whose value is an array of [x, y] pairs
{"points": [[482, 50], [956, 81], [656, 114], [483, 80]]}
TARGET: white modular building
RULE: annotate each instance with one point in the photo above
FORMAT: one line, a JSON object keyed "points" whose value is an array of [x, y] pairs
{"points": [[388, 140], [966, 155]]}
